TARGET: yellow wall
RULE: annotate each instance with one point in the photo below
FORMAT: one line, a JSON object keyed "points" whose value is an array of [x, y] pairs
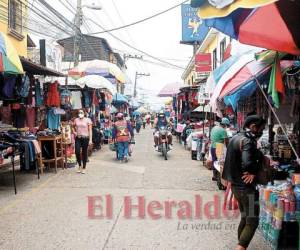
{"points": [[210, 48], [20, 45]]}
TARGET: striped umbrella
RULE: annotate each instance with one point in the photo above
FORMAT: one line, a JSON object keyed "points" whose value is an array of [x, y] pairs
{"points": [[170, 89], [9, 59], [273, 26]]}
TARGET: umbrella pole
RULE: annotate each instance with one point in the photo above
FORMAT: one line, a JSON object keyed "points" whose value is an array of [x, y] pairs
{"points": [[277, 118]]}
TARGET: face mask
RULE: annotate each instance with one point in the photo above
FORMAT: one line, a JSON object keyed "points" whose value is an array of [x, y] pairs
{"points": [[81, 116]]}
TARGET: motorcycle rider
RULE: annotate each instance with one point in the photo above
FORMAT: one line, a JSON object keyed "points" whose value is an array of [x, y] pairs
{"points": [[122, 133], [161, 121]]}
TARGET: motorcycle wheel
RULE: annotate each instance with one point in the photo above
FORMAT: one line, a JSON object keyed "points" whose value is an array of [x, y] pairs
{"points": [[165, 151]]}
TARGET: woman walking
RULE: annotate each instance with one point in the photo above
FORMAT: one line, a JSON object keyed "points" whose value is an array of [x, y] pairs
{"points": [[83, 131]]}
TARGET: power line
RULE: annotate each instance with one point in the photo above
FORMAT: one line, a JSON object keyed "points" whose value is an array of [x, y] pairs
{"points": [[143, 52], [140, 21]]}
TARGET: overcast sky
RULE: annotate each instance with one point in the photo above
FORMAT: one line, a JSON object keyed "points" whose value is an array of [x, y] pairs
{"points": [[159, 37]]}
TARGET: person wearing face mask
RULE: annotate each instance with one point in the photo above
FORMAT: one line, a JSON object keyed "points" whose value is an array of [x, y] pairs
{"points": [[83, 130], [242, 164]]}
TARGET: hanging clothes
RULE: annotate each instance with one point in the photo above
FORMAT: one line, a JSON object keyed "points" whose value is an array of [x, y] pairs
{"points": [[6, 114], [30, 118], [38, 93], [87, 102], [53, 97], [19, 116], [9, 86], [76, 100], [53, 120]]}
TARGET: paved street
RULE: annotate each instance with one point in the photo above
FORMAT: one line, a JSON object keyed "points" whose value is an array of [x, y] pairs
{"points": [[52, 213]]}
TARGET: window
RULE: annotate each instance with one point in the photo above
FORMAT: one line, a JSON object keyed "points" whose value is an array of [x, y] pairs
{"points": [[215, 59], [222, 49], [15, 16]]}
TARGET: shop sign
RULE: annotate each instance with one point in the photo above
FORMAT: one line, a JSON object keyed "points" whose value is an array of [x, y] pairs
{"points": [[203, 63], [193, 29]]}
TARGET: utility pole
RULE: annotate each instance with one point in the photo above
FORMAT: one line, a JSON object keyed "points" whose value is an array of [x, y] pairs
{"points": [[138, 75], [78, 22]]}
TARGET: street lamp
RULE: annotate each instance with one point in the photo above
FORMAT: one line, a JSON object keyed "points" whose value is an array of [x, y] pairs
{"points": [[137, 76]]}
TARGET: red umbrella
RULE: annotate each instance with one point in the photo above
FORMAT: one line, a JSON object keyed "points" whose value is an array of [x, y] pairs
{"points": [[274, 26], [170, 89]]}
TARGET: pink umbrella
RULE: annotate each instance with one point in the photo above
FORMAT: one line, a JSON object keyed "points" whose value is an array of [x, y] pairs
{"points": [[170, 89]]}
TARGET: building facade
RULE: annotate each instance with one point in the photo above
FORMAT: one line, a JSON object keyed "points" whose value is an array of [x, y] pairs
{"points": [[13, 23]]}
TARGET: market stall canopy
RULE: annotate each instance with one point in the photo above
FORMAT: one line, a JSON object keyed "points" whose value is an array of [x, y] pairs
{"points": [[98, 67], [244, 83], [248, 72], [136, 113], [96, 82], [119, 99], [9, 60], [37, 69], [253, 26], [170, 89]]}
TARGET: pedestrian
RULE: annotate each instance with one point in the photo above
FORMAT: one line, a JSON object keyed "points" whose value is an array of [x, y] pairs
{"points": [[122, 134], [242, 164], [218, 135], [82, 128]]}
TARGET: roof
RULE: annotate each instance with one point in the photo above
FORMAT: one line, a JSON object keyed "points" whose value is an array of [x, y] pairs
{"points": [[91, 47], [30, 42], [37, 69]]}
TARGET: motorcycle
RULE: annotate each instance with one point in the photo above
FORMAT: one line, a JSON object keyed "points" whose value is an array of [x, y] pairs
{"points": [[163, 146]]}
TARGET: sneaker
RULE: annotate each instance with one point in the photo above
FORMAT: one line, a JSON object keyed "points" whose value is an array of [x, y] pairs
{"points": [[170, 147], [125, 159], [79, 170], [156, 148], [83, 171]]}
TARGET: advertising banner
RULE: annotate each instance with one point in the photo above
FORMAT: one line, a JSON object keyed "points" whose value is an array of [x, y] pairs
{"points": [[193, 29], [203, 62]]}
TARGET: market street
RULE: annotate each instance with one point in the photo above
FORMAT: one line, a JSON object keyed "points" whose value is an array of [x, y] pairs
{"points": [[52, 213]]}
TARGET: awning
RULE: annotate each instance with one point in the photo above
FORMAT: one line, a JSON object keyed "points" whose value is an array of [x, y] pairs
{"points": [[37, 69], [247, 73]]}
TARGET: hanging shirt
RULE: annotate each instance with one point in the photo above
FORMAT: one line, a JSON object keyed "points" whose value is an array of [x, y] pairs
{"points": [[53, 120], [38, 94], [76, 100]]}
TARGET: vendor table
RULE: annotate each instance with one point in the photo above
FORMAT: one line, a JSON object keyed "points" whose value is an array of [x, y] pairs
{"points": [[57, 146]]}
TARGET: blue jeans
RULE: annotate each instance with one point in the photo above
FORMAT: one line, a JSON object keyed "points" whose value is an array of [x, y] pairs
{"points": [[122, 150]]}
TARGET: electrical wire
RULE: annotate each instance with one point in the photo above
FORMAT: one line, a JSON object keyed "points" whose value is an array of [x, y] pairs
{"points": [[141, 51], [142, 20]]}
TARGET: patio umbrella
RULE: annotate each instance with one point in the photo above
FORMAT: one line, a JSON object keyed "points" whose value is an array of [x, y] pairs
{"points": [[98, 67], [170, 89], [9, 59], [248, 72], [222, 8], [136, 113], [96, 82], [119, 99], [253, 26]]}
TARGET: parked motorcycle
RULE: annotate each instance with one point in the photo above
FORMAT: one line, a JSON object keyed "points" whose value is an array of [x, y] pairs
{"points": [[163, 142]]}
